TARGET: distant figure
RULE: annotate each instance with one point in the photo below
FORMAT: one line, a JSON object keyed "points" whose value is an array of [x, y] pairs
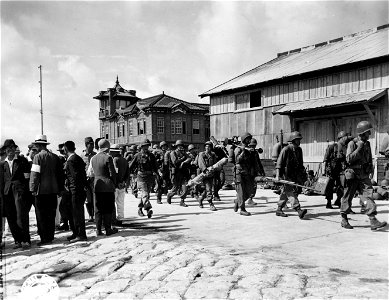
{"points": [[311, 181], [87, 155]]}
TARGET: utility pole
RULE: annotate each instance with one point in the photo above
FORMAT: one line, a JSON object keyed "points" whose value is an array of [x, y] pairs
{"points": [[40, 84]]}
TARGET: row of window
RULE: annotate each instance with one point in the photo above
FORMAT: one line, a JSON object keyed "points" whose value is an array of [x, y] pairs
{"points": [[178, 126]]}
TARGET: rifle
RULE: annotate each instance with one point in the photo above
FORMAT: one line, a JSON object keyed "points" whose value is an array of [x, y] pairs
{"points": [[265, 179]]}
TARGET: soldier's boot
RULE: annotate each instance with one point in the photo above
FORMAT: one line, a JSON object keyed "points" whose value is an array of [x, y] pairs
{"points": [[250, 201], [243, 210], [182, 203], [345, 223], [337, 202], [329, 205], [236, 206], [212, 207], [201, 202], [375, 224], [159, 200], [149, 213], [280, 213], [140, 212], [169, 199], [301, 212]]}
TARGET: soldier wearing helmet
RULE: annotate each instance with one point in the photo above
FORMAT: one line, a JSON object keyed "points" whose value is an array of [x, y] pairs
{"points": [[259, 169], [290, 167], [179, 172], [161, 183], [206, 159], [145, 164], [129, 156], [244, 174], [360, 170], [335, 164]]}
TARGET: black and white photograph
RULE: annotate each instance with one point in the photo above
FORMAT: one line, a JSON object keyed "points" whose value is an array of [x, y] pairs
{"points": [[194, 150]]}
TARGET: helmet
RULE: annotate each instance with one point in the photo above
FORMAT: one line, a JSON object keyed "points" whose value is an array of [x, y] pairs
{"points": [[364, 126], [253, 142], [342, 134], [133, 148], [146, 142], [155, 146], [385, 182], [191, 147], [180, 142], [209, 143], [163, 143], [294, 136], [245, 136]]}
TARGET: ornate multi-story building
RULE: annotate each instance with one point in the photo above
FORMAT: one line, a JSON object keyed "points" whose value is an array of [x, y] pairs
{"points": [[127, 119]]}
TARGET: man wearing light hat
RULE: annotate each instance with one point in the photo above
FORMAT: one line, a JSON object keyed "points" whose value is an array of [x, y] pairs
{"points": [[102, 169], [145, 164], [122, 180], [46, 182]]}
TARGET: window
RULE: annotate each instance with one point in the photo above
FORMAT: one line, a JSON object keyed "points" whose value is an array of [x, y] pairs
{"points": [[183, 126], [207, 133], [178, 126], [196, 126], [160, 125], [130, 129], [242, 101], [123, 131], [141, 127], [255, 99], [173, 127], [118, 130], [102, 130], [106, 131]]}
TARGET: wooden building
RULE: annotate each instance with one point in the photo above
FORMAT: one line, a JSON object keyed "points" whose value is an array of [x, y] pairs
{"points": [[319, 90], [127, 119]]}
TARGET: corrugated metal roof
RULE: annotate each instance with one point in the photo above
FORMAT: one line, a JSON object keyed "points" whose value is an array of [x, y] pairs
{"points": [[331, 101], [354, 48]]}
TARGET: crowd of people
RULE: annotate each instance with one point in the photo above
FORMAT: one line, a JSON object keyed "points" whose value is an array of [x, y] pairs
{"points": [[59, 186]]}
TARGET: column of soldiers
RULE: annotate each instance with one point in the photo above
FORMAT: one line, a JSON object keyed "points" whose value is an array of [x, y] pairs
{"points": [[100, 179]]}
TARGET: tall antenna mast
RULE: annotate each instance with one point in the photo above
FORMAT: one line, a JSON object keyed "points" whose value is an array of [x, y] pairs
{"points": [[40, 96]]}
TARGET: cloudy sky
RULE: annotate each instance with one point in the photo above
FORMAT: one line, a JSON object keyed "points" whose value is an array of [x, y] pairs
{"points": [[181, 48]]}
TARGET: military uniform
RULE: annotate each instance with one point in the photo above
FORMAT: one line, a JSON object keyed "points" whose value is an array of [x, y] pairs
{"points": [[360, 166], [290, 167], [145, 164], [162, 184], [179, 172], [205, 160], [244, 174]]}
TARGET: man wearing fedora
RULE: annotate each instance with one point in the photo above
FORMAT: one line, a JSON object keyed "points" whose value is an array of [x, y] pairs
{"points": [[122, 180], [87, 155], [46, 182], [77, 182], [16, 171], [102, 169], [146, 165]]}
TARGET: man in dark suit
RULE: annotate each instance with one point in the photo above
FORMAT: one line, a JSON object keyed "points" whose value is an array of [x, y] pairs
{"points": [[46, 182], [102, 169], [16, 171], [77, 182]]}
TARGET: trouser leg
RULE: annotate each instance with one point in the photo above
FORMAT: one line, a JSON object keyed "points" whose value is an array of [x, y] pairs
{"points": [[11, 214], [78, 211], [23, 220], [119, 200]]}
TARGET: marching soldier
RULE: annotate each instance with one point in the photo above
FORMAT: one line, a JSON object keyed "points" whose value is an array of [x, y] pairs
{"points": [[260, 171], [162, 179], [145, 164], [179, 172], [207, 159], [244, 171], [129, 156], [335, 159], [360, 161], [192, 153], [290, 167]]}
